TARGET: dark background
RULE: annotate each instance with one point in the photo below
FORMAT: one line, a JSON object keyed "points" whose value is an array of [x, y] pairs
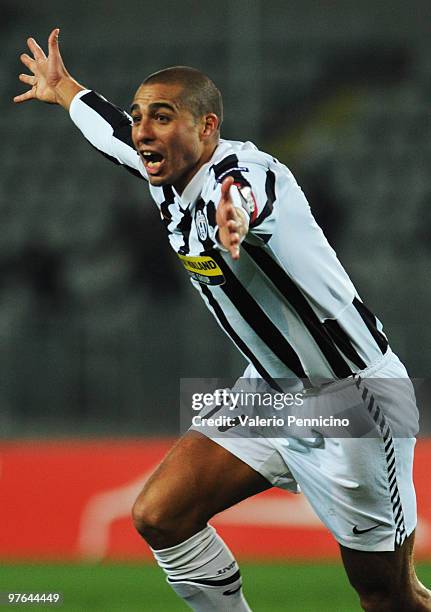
{"points": [[97, 320]]}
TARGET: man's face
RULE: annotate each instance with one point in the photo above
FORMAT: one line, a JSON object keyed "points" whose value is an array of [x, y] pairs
{"points": [[167, 136]]}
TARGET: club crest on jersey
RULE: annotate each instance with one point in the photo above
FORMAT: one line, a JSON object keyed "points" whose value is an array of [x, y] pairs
{"points": [[203, 269], [201, 225]]}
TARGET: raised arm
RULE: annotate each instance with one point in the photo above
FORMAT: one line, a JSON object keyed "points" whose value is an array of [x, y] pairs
{"points": [[107, 127], [50, 81]]}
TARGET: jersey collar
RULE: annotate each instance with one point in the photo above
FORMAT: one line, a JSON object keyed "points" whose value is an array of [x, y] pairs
{"points": [[195, 185]]}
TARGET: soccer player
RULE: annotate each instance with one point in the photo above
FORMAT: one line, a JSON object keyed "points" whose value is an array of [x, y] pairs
{"points": [[245, 234]]}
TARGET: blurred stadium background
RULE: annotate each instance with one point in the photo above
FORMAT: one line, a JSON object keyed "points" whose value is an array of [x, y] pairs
{"points": [[97, 321]]}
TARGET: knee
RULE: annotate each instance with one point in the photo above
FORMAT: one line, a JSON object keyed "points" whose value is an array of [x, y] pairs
{"points": [[163, 521], [389, 601], [151, 517], [376, 601]]}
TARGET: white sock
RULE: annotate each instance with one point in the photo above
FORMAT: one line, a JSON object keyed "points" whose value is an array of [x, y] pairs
{"points": [[204, 573]]}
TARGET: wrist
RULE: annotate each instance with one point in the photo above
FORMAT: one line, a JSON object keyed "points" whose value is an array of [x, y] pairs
{"points": [[65, 90]]}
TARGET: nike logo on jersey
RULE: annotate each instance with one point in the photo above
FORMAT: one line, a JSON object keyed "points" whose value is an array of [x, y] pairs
{"points": [[231, 592], [357, 531]]}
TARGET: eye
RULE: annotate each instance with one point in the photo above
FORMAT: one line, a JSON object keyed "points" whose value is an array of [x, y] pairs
{"points": [[136, 119], [161, 118]]}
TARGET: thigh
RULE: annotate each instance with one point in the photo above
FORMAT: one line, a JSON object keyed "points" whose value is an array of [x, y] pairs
{"points": [[200, 477], [369, 570], [387, 577]]}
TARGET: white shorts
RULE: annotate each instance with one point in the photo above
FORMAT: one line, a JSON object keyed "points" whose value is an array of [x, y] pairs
{"points": [[361, 488]]}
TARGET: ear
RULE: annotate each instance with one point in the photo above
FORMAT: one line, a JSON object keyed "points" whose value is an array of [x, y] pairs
{"points": [[210, 123]]}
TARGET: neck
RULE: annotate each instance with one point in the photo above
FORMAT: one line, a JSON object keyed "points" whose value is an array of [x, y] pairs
{"points": [[205, 158]]}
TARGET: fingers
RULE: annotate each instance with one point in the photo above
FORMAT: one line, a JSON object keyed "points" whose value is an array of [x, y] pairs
{"points": [[232, 226], [38, 54], [228, 220], [53, 41], [225, 187], [234, 246], [27, 61], [28, 79], [232, 238], [225, 214], [28, 95], [226, 208]]}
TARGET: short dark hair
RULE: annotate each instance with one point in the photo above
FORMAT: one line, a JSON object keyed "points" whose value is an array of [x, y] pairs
{"points": [[200, 96]]}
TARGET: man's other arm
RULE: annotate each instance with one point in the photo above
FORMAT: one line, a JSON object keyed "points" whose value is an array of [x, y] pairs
{"points": [[231, 219]]}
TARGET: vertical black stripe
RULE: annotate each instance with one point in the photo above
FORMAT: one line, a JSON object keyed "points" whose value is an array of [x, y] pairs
{"points": [[200, 207], [236, 339], [296, 299], [168, 192], [342, 340], [164, 206], [211, 213], [256, 318], [185, 226], [371, 323], [270, 199]]}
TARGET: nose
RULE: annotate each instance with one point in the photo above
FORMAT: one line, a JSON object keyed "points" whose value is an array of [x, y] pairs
{"points": [[145, 133]]}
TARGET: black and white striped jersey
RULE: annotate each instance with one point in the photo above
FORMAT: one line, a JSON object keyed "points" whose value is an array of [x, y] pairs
{"points": [[287, 303]]}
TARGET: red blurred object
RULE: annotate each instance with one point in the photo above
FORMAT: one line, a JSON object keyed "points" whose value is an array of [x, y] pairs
{"points": [[71, 500]]}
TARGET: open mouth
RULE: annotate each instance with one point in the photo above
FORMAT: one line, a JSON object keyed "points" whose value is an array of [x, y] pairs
{"points": [[152, 161]]}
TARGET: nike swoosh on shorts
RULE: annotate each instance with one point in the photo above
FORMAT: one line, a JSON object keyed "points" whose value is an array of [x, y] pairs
{"points": [[357, 531]]}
